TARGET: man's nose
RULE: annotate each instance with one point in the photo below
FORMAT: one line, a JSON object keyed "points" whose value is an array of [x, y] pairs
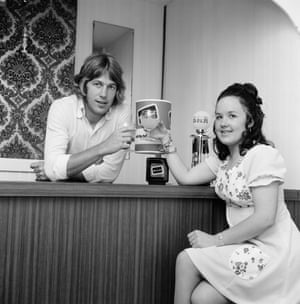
{"points": [[103, 90]]}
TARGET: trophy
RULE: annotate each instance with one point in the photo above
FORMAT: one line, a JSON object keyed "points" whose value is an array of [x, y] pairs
{"points": [[149, 112], [200, 140]]}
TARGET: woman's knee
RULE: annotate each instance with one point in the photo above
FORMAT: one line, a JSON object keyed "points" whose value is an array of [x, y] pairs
{"points": [[184, 264], [204, 293], [183, 260], [182, 257]]}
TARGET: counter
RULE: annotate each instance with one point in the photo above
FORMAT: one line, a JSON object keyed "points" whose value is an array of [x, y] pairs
{"points": [[68, 243]]}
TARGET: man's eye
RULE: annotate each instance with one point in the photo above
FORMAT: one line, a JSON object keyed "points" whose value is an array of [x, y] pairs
{"points": [[98, 84], [112, 87]]}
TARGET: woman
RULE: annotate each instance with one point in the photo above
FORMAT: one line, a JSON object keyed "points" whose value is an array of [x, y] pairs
{"points": [[257, 259]]}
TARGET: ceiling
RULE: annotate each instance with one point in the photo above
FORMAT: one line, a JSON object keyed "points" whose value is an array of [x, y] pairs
{"points": [[292, 9]]}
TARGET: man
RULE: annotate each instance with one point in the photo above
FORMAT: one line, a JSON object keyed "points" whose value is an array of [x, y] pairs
{"points": [[87, 133]]}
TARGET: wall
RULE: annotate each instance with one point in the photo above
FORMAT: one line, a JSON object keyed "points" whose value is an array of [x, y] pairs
{"points": [[37, 44], [122, 49], [213, 43], [210, 44], [146, 18]]}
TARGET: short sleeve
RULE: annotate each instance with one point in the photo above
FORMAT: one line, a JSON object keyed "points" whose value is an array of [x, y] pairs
{"points": [[263, 166]]}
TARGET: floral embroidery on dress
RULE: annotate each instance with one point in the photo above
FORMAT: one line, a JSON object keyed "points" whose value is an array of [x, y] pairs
{"points": [[244, 195], [248, 261], [232, 187], [240, 174]]}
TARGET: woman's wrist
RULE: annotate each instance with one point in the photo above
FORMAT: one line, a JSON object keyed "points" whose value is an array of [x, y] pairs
{"points": [[219, 239], [167, 144], [166, 139]]}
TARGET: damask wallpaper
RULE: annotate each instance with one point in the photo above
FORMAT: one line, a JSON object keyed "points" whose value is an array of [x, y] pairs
{"points": [[37, 46]]}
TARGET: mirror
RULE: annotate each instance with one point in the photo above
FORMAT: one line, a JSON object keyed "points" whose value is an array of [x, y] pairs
{"points": [[118, 41]]}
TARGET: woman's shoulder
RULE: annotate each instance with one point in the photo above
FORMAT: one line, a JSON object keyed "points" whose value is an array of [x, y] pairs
{"points": [[262, 150], [264, 160]]}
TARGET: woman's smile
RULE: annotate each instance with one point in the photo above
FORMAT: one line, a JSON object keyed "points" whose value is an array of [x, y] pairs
{"points": [[230, 122]]}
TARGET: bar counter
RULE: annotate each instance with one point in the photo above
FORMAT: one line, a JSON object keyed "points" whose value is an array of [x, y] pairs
{"points": [[68, 243]]}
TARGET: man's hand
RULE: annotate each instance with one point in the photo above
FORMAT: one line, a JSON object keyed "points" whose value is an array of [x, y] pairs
{"points": [[38, 169], [121, 139]]}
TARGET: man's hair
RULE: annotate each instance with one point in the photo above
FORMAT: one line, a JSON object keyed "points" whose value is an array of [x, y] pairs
{"points": [[95, 66]]}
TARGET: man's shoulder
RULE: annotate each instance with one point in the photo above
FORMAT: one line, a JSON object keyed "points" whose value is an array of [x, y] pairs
{"points": [[122, 108], [66, 102]]}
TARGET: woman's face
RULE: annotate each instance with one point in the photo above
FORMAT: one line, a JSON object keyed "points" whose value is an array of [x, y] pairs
{"points": [[230, 121]]}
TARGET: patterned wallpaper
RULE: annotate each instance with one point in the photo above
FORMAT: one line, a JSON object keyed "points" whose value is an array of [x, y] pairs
{"points": [[37, 46]]}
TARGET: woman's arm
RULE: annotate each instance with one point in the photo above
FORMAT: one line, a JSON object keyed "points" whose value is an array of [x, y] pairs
{"points": [[200, 174], [265, 200]]}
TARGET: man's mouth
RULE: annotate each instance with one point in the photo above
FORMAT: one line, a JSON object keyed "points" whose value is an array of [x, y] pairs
{"points": [[101, 102]]}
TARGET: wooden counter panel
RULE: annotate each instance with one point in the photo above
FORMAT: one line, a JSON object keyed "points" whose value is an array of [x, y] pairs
{"points": [[78, 243], [94, 250]]}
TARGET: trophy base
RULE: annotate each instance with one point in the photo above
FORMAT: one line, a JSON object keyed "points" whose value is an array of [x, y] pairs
{"points": [[157, 171]]}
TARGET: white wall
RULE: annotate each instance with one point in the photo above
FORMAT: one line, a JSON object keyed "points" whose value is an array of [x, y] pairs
{"points": [[122, 49], [210, 44], [213, 43], [146, 18], [12, 169]]}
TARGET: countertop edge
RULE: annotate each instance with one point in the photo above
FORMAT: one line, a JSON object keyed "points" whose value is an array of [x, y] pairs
{"points": [[76, 189], [71, 189]]}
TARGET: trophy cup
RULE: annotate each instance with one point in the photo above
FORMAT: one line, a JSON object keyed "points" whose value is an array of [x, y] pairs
{"points": [[149, 112], [200, 140]]}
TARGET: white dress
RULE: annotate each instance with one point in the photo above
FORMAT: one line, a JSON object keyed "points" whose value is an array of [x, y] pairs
{"points": [[265, 269]]}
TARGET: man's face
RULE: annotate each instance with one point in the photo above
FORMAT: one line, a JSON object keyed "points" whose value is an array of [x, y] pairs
{"points": [[100, 94]]}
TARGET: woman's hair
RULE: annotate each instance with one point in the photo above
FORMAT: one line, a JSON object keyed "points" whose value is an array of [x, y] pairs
{"points": [[95, 66], [249, 99]]}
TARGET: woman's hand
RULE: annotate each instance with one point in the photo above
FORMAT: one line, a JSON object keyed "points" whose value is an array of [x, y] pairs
{"points": [[200, 239], [159, 132]]}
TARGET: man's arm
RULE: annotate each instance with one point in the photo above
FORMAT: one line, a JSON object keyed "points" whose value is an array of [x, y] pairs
{"points": [[59, 165]]}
